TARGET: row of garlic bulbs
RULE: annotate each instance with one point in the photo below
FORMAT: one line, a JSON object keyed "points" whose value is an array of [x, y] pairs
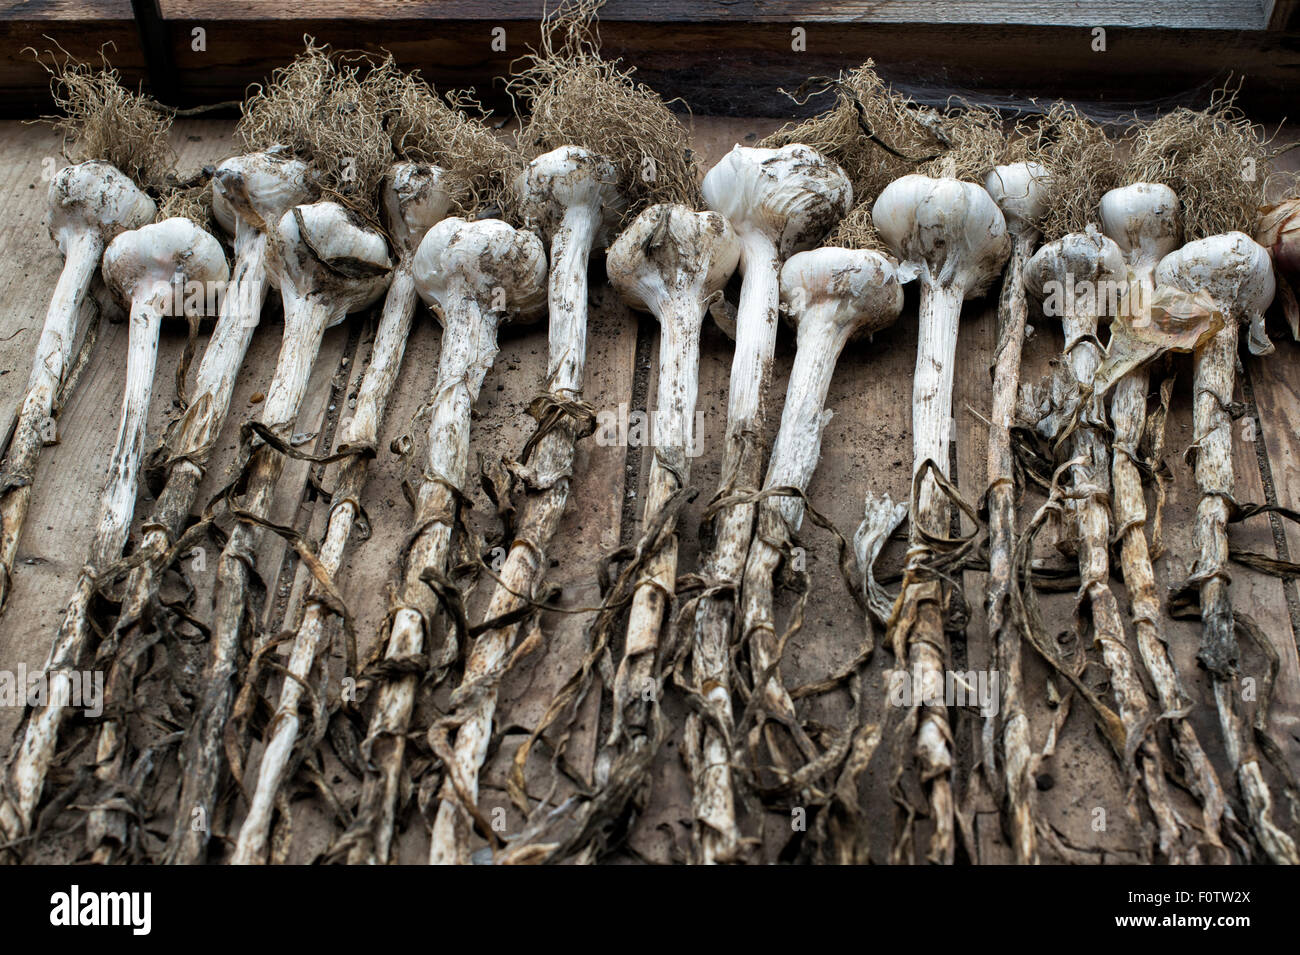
{"points": [[770, 210]]}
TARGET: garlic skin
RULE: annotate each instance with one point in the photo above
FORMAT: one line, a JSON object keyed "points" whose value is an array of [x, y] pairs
{"points": [[780, 202], [1279, 232], [949, 233], [793, 195], [147, 268], [1021, 190], [328, 265], [830, 295], [1144, 220], [569, 197], [1236, 271], [671, 261], [89, 204], [952, 236], [143, 268], [1237, 274], [413, 198], [250, 193]]}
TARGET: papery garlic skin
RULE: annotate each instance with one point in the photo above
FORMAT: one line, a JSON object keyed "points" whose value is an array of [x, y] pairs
{"points": [[780, 202], [1236, 272], [328, 264], [1021, 190], [953, 237], [413, 198], [145, 267], [89, 204]]}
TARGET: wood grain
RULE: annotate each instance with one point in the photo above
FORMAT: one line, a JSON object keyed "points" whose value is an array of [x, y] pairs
{"points": [[1183, 14], [721, 58]]}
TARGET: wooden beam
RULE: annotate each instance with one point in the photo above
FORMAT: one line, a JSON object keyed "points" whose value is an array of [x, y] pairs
{"points": [[732, 70], [1173, 14], [727, 59], [1282, 15]]}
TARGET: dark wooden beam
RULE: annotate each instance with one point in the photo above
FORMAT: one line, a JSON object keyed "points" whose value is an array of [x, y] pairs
{"points": [[155, 42], [717, 62], [81, 27], [736, 70], [1170, 14]]}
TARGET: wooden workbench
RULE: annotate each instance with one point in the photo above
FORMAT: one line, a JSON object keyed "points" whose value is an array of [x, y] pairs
{"points": [[867, 447]]}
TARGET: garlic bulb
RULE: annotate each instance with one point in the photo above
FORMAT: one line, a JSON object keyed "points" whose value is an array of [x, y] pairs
{"points": [[413, 197], [779, 201], [328, 265], [953, 237], [148, 267], [89, 204]]}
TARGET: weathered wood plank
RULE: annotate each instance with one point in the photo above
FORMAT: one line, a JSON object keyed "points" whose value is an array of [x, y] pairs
{"points": [[732, 65], [1182, 14]]}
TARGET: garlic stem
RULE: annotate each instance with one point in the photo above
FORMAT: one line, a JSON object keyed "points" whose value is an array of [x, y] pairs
{"points": [[1237, 275], [316, 295], [794, 456], [1017, 755], [414, 200], [35, 422], [90, 203], [42, 733], [476, 275], [954, 237], [195, 434], [389, 345], [553, 457], [568, 193], [469, 356], [779, 201], [830, 295], [305, 322], [146, 266]]}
